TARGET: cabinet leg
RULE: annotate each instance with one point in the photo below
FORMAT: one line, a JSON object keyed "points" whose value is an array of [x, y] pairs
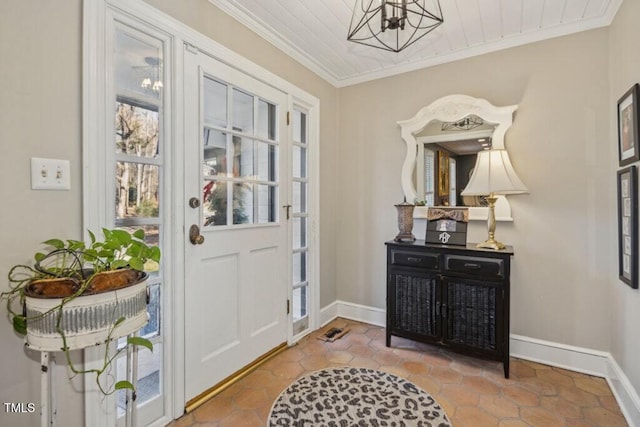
{"points": [[388, 339], [505, 363]]}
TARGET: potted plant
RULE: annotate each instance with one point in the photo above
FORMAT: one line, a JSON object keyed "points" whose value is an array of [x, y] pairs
{"points": [[78, 295]]}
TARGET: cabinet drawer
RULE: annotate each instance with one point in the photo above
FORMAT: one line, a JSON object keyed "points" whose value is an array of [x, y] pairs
{"points": [[487, 267], [415, 259]]}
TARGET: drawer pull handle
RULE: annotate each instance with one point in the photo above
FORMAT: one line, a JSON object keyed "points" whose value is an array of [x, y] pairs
{"points": [[471, 266], [413, 259]]}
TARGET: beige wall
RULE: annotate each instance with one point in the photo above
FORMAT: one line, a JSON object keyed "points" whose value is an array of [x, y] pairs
{"points": [[625, 72], [40, 116], [560, 147]]}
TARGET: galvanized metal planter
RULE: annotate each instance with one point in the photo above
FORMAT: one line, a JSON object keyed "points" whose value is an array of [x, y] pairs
{"points": [[86, 320]]}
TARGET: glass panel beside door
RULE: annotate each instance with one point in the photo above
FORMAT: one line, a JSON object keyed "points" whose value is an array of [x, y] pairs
{"points": [[300, 250], [138, 161]]}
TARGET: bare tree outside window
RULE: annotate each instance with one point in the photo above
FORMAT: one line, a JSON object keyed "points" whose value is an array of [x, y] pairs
{"points": [[137, 136]]}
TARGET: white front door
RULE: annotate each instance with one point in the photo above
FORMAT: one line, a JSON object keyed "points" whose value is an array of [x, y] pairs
{"points": [[236, 184]]}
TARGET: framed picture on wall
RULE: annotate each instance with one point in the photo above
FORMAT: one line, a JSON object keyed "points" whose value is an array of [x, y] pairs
{"points": [[628, 226], [628, 129]]}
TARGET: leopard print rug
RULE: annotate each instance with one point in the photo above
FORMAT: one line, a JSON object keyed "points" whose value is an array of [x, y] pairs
{"points": [[343, 397]]}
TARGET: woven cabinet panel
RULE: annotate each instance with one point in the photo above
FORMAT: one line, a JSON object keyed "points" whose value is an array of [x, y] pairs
{"points": [[472, 315], [415, 304]]}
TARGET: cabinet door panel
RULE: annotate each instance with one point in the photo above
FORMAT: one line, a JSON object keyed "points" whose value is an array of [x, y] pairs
{"points": [[472, 312], [415, 305]]}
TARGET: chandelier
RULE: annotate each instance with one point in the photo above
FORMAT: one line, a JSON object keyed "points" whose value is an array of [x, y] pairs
{"points": [[393, 24], [468, 123], [150, 75]]}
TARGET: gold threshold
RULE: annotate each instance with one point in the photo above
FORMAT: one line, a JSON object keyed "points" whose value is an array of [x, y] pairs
{"points": [[232, 379]]}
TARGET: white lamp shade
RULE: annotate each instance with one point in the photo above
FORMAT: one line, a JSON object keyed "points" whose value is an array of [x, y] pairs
{"points": [[493, 173]]}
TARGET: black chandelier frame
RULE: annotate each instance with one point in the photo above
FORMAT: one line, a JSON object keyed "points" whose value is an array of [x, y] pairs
{"points": [[373, 19]]}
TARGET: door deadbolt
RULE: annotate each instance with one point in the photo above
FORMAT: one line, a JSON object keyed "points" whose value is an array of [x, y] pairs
{"points": [[194, 202], [194, 235]]}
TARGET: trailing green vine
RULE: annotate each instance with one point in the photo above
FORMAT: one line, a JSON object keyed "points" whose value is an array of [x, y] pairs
{"points": [[81, 263]]}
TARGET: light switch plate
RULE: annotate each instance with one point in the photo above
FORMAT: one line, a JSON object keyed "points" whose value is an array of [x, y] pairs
{"points": [[50, 174]]}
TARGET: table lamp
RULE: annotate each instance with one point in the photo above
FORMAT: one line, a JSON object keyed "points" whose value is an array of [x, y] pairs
{"points": [[493, 175]]}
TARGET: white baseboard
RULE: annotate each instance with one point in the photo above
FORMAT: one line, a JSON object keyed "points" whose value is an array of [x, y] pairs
{"points": [[578, 359], [625, 393], [347, 310], [588, 361]]}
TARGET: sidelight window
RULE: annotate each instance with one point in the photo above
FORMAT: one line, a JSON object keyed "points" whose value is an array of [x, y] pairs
{"points": [[138, 153], [300, 221]]}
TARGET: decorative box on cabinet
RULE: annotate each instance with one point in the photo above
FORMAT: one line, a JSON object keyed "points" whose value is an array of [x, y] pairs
{"points": [[453, 296]]}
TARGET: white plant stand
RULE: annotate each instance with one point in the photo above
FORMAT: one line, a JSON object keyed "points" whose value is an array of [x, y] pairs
{"points": [[86, 321]]}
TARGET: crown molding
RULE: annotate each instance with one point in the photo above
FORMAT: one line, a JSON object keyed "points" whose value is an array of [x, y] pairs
{"points": [[269, 34]]}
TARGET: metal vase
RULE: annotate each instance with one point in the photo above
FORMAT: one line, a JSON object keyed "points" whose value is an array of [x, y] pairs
{"points": [[405, 222]]}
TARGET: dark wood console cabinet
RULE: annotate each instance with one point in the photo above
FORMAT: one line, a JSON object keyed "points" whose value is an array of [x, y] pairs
{"points": [[453, 296]]}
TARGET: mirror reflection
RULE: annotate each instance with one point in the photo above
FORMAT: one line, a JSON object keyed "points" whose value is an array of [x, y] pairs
{"points": [[446, 156], [451, 112]]}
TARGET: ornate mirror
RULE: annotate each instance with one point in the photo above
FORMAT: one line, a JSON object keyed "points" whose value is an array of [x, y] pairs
{"points": [[441, 139]]}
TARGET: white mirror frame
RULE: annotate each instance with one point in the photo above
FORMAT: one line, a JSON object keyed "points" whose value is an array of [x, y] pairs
{"points": [[451, 109]]}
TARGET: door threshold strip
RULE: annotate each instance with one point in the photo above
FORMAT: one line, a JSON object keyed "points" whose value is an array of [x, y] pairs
{"points": [[232, 379]]}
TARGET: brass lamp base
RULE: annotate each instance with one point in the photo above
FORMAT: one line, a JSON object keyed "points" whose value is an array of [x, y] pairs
{"points": [[491, 244]]}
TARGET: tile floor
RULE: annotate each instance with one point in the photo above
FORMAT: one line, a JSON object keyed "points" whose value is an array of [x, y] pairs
{"points": [[473, 392]]}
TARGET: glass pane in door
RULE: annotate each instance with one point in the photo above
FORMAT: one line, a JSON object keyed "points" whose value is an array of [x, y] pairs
{"points": [[242, 112], [300, 303], [299, 232], [243, 157], [214, 202], [242, 203], [299, 162], [215, 152], [266, 204], [265, 162], [266, 127], [299, 197], [215, 103], [242, 154]]}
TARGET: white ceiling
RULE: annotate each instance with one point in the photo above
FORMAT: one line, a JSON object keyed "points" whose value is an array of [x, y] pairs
{"points": [[314, 32]]}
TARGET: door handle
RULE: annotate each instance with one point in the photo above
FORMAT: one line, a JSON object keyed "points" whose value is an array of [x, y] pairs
{"points": [[194, 235]]}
